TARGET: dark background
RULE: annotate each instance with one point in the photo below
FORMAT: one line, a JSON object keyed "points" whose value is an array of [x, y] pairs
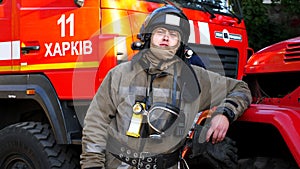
{"points": [[270, 23]]}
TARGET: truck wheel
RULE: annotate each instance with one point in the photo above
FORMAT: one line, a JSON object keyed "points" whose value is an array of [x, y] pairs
{"points": [[265, 163], [31, 145]]}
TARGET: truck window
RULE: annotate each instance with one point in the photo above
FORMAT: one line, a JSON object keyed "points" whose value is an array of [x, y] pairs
{"points": [[225, 7]]}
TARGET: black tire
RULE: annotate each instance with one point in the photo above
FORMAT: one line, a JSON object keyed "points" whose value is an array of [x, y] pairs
{"points": [[266, 163], [31, 145]]}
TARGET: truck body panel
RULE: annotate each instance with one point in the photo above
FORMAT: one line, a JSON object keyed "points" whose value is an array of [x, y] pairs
{"points": [[273, 77], [285, 119]]}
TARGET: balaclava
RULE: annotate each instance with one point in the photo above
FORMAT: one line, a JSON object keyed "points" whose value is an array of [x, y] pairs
{"points": [[162, 57]]}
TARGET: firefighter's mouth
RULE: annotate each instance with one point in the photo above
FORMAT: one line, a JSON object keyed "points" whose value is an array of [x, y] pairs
{"points": [[163, 45]]}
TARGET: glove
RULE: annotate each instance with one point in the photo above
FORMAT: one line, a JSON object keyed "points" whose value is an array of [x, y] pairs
{"points": [[222, 155]]}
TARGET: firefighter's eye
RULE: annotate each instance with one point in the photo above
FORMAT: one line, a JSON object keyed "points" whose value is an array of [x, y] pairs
{"points": [[173, 33], [161, 32]]}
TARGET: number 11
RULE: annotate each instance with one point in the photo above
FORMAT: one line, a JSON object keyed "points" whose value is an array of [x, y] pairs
{"points": [[63, 21]]}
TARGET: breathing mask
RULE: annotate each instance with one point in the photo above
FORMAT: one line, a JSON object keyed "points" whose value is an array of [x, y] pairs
{"points": [[161, 116]]}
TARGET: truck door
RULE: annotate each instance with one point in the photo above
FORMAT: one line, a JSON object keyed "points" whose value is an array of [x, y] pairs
{"points": [[56, 32], [9, 47], [56, 39]]}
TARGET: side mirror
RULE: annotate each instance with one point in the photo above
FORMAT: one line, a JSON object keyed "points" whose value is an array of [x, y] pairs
{"points": [[79, 3]]}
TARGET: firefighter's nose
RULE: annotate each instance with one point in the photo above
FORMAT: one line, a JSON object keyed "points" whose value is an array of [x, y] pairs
{"points": [[166, 37]]}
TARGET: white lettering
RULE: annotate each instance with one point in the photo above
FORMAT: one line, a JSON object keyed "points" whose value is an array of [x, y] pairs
{"points": [[62, 21], [48, 47], [65, 47], [75, 48], [80, 47], [70, 21], [57, 49], [87, 47]]}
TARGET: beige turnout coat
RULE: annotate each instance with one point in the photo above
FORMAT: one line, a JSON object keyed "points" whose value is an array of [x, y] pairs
{"points": [[110, 112]]}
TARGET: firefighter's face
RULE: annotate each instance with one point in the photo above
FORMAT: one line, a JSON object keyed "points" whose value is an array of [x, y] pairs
{"points": [[163, 37]]}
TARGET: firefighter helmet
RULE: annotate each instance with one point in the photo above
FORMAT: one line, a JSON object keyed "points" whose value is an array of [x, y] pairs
{"points": [[168, 17]]}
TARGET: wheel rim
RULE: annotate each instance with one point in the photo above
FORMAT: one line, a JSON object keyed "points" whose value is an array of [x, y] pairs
{"points": [[18, 162]]}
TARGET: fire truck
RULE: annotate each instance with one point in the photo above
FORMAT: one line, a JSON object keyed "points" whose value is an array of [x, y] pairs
{"points": [[268, 133], [54, 55]]}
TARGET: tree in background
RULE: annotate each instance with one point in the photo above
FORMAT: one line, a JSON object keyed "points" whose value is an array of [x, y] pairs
{"points": [[268, 24]]}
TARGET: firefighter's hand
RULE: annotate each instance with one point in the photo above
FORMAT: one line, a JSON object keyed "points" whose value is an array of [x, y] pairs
{"points": [[218, 128]]}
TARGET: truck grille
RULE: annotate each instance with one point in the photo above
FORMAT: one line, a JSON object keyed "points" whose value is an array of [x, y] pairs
{"points": [[218, 59], [292, 52]]}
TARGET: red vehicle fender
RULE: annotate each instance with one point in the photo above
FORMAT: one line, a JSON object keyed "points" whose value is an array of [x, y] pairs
{"points": [[280, 117]]}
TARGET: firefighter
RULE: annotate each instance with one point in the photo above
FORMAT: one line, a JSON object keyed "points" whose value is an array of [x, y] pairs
{"points": [[144, 109]]}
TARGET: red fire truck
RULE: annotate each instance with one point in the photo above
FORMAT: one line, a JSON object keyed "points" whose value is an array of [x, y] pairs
{"points": [[54, 55], [268, 134]]}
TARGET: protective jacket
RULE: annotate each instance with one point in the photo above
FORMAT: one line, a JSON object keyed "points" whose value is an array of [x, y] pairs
{"points": [[191, 89]]}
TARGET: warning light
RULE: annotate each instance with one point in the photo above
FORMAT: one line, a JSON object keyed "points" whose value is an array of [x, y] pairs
{"points": [[30, 92]]}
